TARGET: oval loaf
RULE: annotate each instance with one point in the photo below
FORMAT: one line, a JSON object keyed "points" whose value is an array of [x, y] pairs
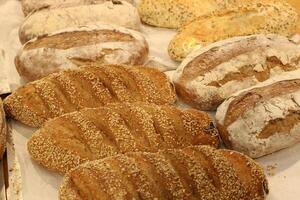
{"points": [[263, 119], [269, 16], [70, 48], [209, 75], [3, 130], [194, 173], [89, 86], [48, 21], [95, 133], [29, 6]]}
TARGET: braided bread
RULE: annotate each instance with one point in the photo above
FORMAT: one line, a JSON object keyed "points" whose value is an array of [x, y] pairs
{"points": [[87, 87], [3, 130], [193, 173], [95, 133]]}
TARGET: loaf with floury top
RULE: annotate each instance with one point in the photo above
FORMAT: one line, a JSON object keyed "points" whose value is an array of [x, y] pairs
{"points": [[192, 173], [70, 48], [29, 6], [48, 21], [263, 119], [211, 74], [95, 133], [88, 86]]}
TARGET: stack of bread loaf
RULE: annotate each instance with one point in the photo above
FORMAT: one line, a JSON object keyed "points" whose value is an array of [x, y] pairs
{"points": [[113, 127]]}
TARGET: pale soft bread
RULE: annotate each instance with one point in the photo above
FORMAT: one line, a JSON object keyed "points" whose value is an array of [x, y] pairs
{"points": [[95, 133], [263, 119], [89, 86], [175, 13], [270, 16], [192, 173], [48, 21], [3, 130], [29, 6], [296, 5], [211, 74], [70, 48]]}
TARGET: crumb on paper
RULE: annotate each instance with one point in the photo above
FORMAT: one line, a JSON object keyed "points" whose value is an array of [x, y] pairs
{"points": [[271, 169]]}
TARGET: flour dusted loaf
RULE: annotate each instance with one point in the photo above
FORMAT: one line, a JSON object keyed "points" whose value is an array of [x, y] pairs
{"points": [[95, 133], [29, 6], [269, 16], [87, 87], [48, 21], [263, 119], [198, 172], [209, 75], [70, 48], [175, 13], [3, 130]]}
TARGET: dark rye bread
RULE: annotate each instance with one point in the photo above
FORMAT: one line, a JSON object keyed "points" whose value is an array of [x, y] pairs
{"points": [[3, 130], [89, 86], [91, 134], [263, 119], [101, 43], [211, 74], [193, 173]]}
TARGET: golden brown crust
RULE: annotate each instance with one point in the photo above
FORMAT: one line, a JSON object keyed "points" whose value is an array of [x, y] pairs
{"points": [[91, 134], [3, 130], [87, 87], [199, 172]]}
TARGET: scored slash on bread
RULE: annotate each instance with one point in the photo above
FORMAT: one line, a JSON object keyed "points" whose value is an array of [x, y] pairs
{"points": [[263, 119], [87, 87], [193, 173], [211, 74], [70, 48], [95, 133]]}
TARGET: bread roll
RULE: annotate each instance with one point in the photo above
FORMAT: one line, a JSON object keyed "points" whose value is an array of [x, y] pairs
{"points": [[193, 173], [175, 13], [3, 130], [48, 21], [95, 133], [87, 87], [29, 6], [263, 119], [70, 48], [209, 75], [270, 16]]}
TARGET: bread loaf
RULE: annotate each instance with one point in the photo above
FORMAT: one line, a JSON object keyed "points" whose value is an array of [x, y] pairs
{"points": [[209, 75], [29, 6], [70, 48], [263, 119], [193, 173], [3, 130], [175, 13], [270, 16], [48, 21], [95, 133], [87, 87], [296, 5]]}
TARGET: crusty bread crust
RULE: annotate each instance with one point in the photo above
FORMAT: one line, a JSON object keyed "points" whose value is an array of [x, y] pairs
{"points": [[71, 48], [3, 130], [198, 172], [95, 133], [88, 86]]}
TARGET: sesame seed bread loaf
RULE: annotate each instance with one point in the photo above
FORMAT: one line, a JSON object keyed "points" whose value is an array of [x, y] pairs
{"points": [[263, 119], [70, 48], [95, 133], [47, 21], [29, 6], [89, 86], [211, 74], [264, 17], [193, 173], [3, 130], [175, 13]]}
